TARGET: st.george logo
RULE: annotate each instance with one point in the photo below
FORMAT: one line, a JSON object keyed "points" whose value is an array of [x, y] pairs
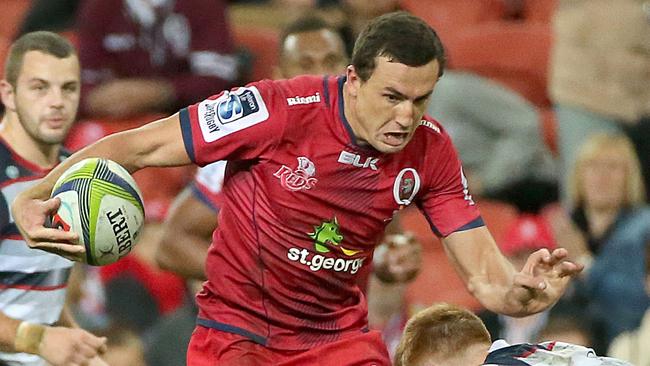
{"points": [[302, 177], [230, 109]]}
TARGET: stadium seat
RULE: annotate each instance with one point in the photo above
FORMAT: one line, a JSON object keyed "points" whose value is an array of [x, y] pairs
{"points": [[539, 11], [12, 13], [5, 43], [516, 55], [263, 44], [450, 16]]}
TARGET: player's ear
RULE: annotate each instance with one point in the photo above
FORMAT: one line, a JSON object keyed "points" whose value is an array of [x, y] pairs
{"points": [[7, 92], [353, 80]]}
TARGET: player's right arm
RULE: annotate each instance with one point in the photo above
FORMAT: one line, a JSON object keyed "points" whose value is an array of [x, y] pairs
{"points": [[156, 144], [186, 237], [58, 345]]}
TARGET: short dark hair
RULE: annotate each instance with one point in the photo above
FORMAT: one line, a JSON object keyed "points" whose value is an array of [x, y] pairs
{"points": [[304, 24], [46, 42], [400, 36]]}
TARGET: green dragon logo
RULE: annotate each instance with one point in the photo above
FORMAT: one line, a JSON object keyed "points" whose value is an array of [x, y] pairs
{"points": [[327, 235]]}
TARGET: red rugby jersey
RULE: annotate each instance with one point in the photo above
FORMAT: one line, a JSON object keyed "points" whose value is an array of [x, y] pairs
{"points": [[306, 206]]}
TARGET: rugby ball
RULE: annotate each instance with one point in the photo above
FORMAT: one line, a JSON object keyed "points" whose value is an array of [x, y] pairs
{"points": [[101, 202]]}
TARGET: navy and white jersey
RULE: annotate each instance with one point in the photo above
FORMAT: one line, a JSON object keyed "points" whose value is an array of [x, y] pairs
{"points": [[546, 354], [32, 282]]}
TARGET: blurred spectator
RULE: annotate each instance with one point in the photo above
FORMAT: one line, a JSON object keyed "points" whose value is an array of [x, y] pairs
{"points": [[142, 56], [138, 293], [527, 234], [166, 342], [567, 327], [495, 130], [54, 16], [357, 13], [600, 70], [608, 229], [633, 346]]}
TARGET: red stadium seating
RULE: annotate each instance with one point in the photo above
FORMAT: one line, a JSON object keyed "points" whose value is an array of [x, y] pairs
{"points": [[5, 43], [263, 44], [450, 16], [516, 55], [539, 11], [12, 13]]}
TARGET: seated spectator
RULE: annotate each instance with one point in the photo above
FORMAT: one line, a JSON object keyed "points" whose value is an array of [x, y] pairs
{"points": [[608, 228], [143, 56], [598, 72], [54, 16], [495, 130], [566, 327], [633, 346]]}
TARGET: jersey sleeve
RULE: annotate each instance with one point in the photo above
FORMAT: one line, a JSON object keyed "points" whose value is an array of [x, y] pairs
{"points": [[446, 201], [207, 185], [245, 123]]}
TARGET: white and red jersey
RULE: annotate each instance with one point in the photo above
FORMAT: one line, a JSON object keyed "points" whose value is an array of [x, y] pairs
{"points": [[304, 206], [33, 282]]}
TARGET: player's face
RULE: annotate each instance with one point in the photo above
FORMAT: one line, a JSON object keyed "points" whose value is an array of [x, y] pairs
{"points": [[46, 96], [385, 110], [312, 53]]}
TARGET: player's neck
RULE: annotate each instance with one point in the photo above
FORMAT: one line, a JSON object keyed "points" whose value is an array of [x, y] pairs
{"points": [[349, 110], [39, 154]]}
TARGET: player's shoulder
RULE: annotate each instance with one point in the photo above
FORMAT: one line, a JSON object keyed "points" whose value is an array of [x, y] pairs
{"points": [[305, 91], [301, 92], [431, 131]]}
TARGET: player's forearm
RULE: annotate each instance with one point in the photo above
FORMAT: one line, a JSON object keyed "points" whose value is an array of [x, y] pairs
{"points": [[488, 275], [8, 328]]}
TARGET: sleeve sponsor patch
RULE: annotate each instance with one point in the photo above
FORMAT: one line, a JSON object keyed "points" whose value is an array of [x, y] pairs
{"points": [[233, 111]]}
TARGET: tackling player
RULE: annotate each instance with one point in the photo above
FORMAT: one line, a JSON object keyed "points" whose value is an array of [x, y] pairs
{"points": [[323, 164]]}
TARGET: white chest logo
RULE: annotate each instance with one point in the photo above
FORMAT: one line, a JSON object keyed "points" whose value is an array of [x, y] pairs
{"points": [[297, 179], [304, 100], [355, 160]]}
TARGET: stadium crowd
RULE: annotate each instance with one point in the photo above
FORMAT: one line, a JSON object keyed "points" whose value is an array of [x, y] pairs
{"points": [[546, 101]]}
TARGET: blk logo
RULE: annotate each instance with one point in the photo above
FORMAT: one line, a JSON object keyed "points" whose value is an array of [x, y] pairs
{"points": [[349, 158]]}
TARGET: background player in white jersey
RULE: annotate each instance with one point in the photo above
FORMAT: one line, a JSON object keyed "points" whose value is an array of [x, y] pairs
{"points": [[41, 95]]}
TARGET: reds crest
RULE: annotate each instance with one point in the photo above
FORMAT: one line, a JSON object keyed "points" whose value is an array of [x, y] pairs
{"points": [[300, 178]]}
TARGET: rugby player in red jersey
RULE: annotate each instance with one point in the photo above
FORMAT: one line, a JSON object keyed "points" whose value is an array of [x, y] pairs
{"points": [[323, 164]]}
